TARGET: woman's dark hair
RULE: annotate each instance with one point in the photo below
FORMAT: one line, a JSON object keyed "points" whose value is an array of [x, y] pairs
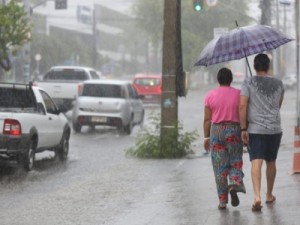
{"points": [[224, 76], [261, 62]]}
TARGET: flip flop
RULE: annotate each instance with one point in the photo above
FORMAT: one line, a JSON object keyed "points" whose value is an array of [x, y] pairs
{"points": [[271, 201], [256, 207], [234, 198]]}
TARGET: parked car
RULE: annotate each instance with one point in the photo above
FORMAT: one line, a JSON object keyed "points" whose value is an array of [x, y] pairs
{"points": [[289, 81], [148, 86], [108, 102], [30, 123], [63, 83]]}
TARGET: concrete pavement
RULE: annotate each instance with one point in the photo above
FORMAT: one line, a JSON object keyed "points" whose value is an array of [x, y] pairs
{"points": [[202, 204]]}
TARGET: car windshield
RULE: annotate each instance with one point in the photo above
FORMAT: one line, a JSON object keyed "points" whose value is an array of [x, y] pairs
{"points": [[147, 81], [103, 90], [66, 74]]}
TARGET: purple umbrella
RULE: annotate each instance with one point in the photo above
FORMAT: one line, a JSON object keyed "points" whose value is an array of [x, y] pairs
{"points": [[241, 42]]}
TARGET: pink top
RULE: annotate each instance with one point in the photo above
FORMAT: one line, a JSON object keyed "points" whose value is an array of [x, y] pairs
{"points": [[224, 104]]}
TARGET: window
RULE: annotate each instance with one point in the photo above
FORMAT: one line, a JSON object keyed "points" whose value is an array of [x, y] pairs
{"points": [[102, 90], [17, 98], [131, 91], [66, 74], [50, 106], [147, 81], [94, 75]]}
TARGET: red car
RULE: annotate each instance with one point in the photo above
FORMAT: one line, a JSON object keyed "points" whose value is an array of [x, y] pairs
{"points": [[148, 86]]}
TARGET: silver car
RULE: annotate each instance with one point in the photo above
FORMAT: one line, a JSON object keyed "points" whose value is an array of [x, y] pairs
{"points": [[108, 102]]}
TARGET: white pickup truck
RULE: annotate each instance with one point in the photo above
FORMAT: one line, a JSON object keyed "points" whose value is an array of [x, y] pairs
{"points": [[64, 82], [30, 123]]}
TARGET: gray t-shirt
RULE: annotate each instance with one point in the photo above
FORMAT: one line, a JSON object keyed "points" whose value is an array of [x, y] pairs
{"points": [[264, 94]]}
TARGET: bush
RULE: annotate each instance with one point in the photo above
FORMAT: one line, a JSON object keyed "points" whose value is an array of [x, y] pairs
{"points": [[148, 141]]}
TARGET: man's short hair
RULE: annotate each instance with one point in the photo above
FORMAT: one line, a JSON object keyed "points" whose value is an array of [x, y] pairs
{"points": [[261, 62]]}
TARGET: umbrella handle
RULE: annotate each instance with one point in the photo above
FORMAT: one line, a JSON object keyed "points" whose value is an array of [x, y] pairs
{"points": [[247, 63]]}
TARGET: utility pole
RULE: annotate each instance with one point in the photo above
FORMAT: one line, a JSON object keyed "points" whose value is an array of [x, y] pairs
{"points": [[297, 26], [94, 38], [282, 53], [171, 65], [276, 56], [26, 50], [265, 6]]}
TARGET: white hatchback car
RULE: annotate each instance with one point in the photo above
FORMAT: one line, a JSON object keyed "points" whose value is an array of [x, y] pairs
{"points": [[109, 103]]}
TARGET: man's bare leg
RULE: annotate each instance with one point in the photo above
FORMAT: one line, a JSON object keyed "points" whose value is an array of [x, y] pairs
{"points": [[270, 175], [256, 178]]}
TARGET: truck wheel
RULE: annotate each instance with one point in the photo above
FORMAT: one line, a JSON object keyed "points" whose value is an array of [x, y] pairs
{"points": [[29, 157], [76, 127], [63, 150]]}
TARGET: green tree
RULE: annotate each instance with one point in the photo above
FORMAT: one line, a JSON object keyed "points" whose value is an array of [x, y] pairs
{"points": [[197, 27], [14, 31], [59, 49], [149, 18]]}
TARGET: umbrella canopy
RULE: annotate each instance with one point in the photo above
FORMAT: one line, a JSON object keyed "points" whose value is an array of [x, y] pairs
{"points": [[241, 42]]}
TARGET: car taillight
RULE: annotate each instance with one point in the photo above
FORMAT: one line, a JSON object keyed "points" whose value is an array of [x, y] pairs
{"points": [[12, 127], [80, 88]]}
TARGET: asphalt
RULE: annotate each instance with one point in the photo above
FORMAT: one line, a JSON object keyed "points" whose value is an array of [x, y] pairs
{"points": [[202, 204]]}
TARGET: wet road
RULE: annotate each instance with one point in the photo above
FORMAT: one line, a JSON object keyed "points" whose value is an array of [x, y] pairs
{"points": [[100, 185]]}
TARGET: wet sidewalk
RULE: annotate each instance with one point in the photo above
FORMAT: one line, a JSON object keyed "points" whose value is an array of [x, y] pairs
{"points": [[200, 195], [203, 204], [183, 191]]}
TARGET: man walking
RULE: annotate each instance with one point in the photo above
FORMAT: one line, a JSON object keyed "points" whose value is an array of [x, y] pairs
{"points": [[260, 101]]}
